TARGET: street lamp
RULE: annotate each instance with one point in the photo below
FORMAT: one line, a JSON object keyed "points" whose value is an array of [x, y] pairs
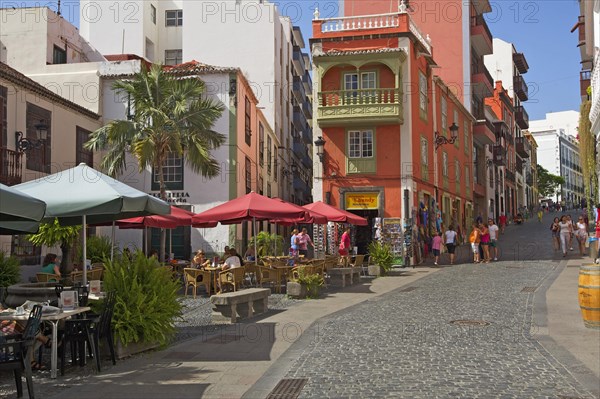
{"points": [[320, 145], [24, 144], [441, 140]]}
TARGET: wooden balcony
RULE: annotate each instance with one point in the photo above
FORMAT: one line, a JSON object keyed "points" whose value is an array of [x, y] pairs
{"points": [[10, 166], [521, 117], [520, 87], [523, 147], [346, 107], [499, 155], [520, 62], [481, 80], [484, 132]]}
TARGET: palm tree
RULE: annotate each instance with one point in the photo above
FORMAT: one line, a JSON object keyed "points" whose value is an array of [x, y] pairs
{"points": [[167, 115]]}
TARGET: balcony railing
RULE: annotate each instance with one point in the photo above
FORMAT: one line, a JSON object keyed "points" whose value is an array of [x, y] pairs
{"points": [[376, 22], [595, 83], [10, 166], [510, 176], [481, 76], [520, 87], [350, 105], [521, 117], [523, 147], [481, 35], [499, 155]]}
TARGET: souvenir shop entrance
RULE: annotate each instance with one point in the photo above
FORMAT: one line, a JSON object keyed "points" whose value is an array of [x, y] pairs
{"points": [[367, 203]]}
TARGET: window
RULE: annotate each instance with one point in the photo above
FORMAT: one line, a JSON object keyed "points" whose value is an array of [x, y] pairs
{"points": [[467, 178], [275, 163], [444, 107], [466, 134], [457, 142], [261, 184], [457, 171], [261, 144], [248, 173], [248, 121], [174, 18], [423, 95], [59, 55], [360, 144], [269, 160], [149, 49], [269, 190], [3, 118], [153, 14], [352, 84], [172, 170], [38, 159], [81, 154], [173, 57], [424, 151]]}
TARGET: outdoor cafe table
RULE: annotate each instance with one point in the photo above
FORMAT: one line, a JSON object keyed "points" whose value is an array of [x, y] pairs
{"points": [[281, 273], [54, 319]]}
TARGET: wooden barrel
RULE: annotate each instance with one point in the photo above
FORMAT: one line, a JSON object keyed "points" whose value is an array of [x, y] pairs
{"points": [[589, 294]]}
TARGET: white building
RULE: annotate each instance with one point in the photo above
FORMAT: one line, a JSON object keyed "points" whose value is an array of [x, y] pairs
{"points": [[250, 34], [567, 121]]}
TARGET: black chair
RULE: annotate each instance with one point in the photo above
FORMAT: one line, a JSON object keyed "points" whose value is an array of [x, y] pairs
{"points": [[15, 352], [90, 331]]}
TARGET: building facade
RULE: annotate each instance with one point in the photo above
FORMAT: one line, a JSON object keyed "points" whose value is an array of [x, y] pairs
{"points": [[379, 109]]}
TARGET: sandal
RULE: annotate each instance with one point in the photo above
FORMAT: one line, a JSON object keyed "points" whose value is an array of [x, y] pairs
{"points": [[35, 366]]}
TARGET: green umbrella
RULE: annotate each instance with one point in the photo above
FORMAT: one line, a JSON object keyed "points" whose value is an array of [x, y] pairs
{"points": [[18, 206], [82, 195]]}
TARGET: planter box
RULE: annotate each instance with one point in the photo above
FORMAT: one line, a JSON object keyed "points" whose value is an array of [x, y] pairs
{"points": [[375, 270], [300, 291], [121, 352]]}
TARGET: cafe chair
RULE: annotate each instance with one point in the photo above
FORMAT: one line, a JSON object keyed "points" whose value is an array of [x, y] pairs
{"points": [[47, 277], [232, 277], [15, 352], [266, 275], [190, 278]]}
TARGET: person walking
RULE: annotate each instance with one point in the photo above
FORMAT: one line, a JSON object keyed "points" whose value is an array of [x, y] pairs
{"points": [[303, 241], [540, 214], [484, 241], [502, 221], [573, 228], [450, 241], [582, 234], [555, 229], [494, 230], [436, 246], [566, 228], [474, 239], [344, 248], [294, 244]]}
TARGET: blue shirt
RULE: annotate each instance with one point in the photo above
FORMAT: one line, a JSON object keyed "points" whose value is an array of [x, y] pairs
{"points": [[293, 243]]}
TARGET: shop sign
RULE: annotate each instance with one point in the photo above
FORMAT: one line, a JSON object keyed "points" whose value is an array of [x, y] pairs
{"points": [[174, 197], [356, 201]]}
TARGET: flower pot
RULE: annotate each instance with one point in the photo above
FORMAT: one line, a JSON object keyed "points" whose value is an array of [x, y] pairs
{"points": [[375, 270], [302, 291]]}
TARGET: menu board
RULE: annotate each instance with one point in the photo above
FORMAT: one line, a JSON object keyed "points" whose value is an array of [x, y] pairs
{"points": [[392, 234]]}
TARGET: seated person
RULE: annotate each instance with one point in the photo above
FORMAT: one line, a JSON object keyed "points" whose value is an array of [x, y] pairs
{"points": [[250, 254], [232, 261], [234, 253], [199, 261], [225, 252], [50, 265]]}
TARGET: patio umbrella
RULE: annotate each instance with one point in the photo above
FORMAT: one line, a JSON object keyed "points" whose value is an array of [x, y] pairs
{"points": [[336, 215], [18, 206], [313, 217], [250, 207], [81, 194], [177, 218]]}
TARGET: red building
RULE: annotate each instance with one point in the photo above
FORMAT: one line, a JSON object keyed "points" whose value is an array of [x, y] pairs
{"points": [[378, 108]]}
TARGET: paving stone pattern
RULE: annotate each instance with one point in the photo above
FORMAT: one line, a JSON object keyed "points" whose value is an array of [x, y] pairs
{"points": [[402, 345]]}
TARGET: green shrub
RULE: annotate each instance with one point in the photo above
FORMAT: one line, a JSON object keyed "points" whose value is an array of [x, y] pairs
{"points": [[10, 270], [146, 299], [311, 281], [98, 249], [382, 255], [267, 244]]}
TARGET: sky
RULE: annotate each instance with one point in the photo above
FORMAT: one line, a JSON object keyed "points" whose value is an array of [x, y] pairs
{"points": [[539, 29]]}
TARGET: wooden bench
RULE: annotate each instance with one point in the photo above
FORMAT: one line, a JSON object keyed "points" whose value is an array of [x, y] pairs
{"points": [[343, 276], [244, 304]]}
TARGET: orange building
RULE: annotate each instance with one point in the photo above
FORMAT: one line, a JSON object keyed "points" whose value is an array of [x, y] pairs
{"points": [[378, 106]]}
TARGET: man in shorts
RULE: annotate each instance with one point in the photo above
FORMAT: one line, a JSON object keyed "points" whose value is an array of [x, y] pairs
{"points": [[493, 238]]}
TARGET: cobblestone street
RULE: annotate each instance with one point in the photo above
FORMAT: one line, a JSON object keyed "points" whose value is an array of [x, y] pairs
{"points": [[465, 331]]}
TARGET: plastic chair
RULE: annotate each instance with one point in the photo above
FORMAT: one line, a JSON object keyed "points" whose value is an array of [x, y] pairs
{"points": [[15, 352]]}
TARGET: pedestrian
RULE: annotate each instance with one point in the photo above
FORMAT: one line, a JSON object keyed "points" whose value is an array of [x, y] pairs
{"points": [[566, 228], [540, 214], [436, 246], [572, 234], [484, 242], [344, 248], [294, 244], [474, 239], [582, 234], [493, 228], [502, 221], [450, 236], [303, 241], [555, 229]]}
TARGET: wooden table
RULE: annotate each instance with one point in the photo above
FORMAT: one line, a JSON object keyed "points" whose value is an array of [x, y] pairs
{"points": [[54, 319], [214, 272], [280, 273]]}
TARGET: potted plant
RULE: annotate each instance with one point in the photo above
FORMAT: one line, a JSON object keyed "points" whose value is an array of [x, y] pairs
{"points": [[306, 285], [146, 303], [10, 273], [381, 258], [51, 234]]}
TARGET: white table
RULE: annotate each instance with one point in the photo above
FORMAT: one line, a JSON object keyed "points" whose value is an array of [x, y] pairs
{"points": [[54, 319]]}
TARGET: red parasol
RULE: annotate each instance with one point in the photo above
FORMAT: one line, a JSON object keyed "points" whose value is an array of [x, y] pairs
{"points": [[336, 215]]}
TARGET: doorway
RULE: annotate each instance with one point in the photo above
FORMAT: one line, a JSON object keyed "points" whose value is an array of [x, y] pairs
{"points": [[364, 234]]}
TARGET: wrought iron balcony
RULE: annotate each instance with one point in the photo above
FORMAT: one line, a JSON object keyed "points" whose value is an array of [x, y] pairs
{"points": [[367, 105], [499, 155], [521, 117], [523, 147], [520, 87], [10, 166]]}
